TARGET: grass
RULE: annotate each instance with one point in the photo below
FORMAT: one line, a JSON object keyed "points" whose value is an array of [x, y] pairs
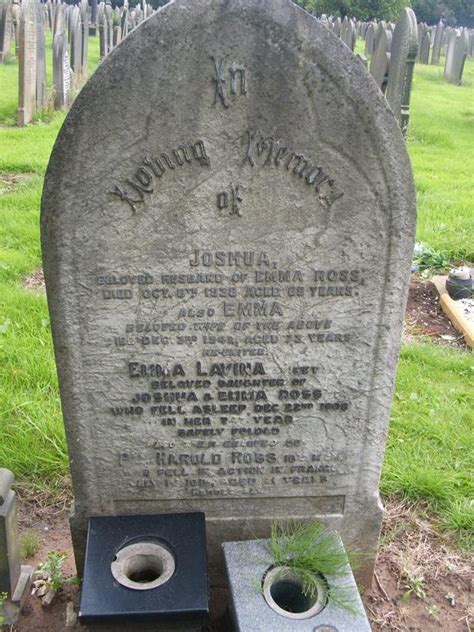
{"points": [[311, 552], [430, 446], [440, 142]]}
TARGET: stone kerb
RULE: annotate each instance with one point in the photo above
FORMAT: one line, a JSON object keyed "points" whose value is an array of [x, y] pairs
{"points": [[226, 278]]}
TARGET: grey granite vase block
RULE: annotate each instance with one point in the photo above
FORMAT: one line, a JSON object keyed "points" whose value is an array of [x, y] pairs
{"points": [[246, 563]]}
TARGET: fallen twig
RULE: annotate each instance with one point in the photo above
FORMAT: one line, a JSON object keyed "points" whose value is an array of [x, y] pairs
{"points": [[381, 588]]}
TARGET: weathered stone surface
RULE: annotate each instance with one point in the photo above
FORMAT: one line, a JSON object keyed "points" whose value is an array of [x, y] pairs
{"points": [[84, 7], [348, 33], [14, 578], [379, 64], [61, 71], [370, 39], [246, 565], [41, 90], [455, 57], [437, 43], [6, 26], [27, 63], [59, 19], [226, 278], [402, 61], [76, 44], [424, 54]]}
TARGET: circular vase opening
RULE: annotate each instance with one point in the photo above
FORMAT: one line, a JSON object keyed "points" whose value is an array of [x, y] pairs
{"points": [[283, 590], [143, 565]]}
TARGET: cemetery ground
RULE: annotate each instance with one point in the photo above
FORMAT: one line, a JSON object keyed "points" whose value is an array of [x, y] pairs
{"points": [[423, 575]]}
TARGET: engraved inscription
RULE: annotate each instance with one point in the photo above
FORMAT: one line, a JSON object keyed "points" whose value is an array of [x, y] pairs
{"points": [[153, 167], [235, 75], [270, 152], [231, 200], [226, 420]]}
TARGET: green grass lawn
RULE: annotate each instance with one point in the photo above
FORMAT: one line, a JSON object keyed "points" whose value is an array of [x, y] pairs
{"points": [[430, 446]]}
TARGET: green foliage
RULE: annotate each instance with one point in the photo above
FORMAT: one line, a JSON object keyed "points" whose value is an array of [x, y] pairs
{"points": [[3, 598], [30, 543], [440, 141], [429, 259], [359, 9], [453, 12], [430, 448], [415, 585], [51, 569], [310, 551]]}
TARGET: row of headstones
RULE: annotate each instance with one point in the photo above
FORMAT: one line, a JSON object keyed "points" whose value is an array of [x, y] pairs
{"points": [[26, 23], [455, 44], [115, 24], [71, 26], [394, 48], [399, 45]]}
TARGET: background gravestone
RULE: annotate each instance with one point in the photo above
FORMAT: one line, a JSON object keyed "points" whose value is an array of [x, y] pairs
{"points": [[403, 52], [76, 44], [370, 39], [425, 44], [41, 90], [226, 278], [437, 43], [61, 71], [15, 578], [455, 57], [6, 25], [27, 63], [84, 21], [379, 64]]}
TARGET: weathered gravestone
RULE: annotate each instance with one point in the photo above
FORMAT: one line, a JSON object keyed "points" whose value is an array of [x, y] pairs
{"points": [[226, 279], [6, 25], [103, 31], [27, 63], [84, 8], [59, 24], [41, 89], [403, 52], [437, 43], [93, 18], [370, 39], [348, 33], [61, 71], [76, 44], [455, 57], [16, 11], [425, 44], [14, 577], [379, 64]]}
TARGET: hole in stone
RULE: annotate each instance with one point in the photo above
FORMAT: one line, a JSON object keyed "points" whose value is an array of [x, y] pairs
{"points": [[283, 590], [143, 565], [289, 595], [143, 568]]}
